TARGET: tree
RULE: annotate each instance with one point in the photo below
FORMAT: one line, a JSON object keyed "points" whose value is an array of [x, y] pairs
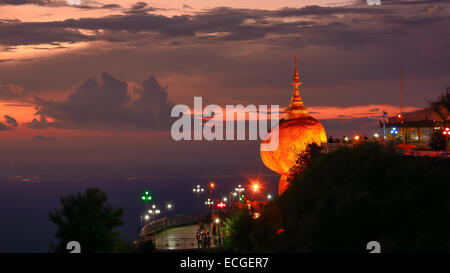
{"points": [[88, 219], [437, 141], [442, 105], [304, 160]]}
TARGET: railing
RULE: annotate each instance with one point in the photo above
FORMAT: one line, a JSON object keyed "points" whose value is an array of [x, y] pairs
{"points": [[175, 243], [330, 147], [179, 220]]}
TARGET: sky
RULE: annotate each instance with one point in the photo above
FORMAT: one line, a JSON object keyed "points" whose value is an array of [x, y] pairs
{"points": [[86, 87]]}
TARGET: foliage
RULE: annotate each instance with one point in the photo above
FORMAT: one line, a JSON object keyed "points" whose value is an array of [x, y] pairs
{"points": [[442, 105], [305, 159], [90, 220], [437, 141], [235, 228], [352, 196], [242, 233], [144, 246]]}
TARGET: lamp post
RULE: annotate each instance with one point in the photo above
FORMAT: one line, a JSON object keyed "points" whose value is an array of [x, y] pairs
{"points": [[168, 207], [198, 190], [239, 189], [384, 127], [154, 212], [232, 196], [217, 222], [209, 202], [146, 197], [211, 187]]}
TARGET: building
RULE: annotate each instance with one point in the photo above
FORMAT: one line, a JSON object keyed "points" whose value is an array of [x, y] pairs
{"points": [[416, 128]]}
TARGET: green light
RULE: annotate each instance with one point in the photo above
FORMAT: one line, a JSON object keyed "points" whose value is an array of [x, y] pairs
{"points": [[146, 196]]}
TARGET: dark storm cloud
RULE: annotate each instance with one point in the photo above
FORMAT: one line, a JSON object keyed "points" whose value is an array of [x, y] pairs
{"points": [[365, 44], [86, 4], [8, 123], [107, 103], [26, 2], [33, 34], [234, 24]]}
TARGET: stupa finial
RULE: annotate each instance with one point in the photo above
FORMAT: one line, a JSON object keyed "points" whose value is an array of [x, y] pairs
{"points": [[296, 108], [296, 77]]}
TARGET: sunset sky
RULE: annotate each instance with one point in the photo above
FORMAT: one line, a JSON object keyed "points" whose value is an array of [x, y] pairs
{"points": [[111, 71], [86, 90]]}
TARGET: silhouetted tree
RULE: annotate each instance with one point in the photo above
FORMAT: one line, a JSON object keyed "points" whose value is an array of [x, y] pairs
{"points": [[88, 219], [442, 105], [305, 159], [437, 141]]}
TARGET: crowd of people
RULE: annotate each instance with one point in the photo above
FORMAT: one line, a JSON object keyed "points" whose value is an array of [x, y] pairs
{"points": [[203, 238]]}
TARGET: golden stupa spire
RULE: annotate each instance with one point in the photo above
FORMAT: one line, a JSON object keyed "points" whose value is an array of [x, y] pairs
{"points": [[296, 108]]}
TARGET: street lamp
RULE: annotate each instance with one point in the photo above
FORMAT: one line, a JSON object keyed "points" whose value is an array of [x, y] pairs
{"points": [[209, 202], [241, 198], [217, 222], [394, 131], [198, 190], [211, 187], [239, 189], [146, 197], [255, 187], [153, 213], [168, 207], [269, 197]]}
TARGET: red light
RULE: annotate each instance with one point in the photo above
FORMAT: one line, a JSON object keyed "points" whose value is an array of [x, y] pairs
{"points": [[212, 185], [356, 137], [399, 116], [221, 205], [279, 231]]}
